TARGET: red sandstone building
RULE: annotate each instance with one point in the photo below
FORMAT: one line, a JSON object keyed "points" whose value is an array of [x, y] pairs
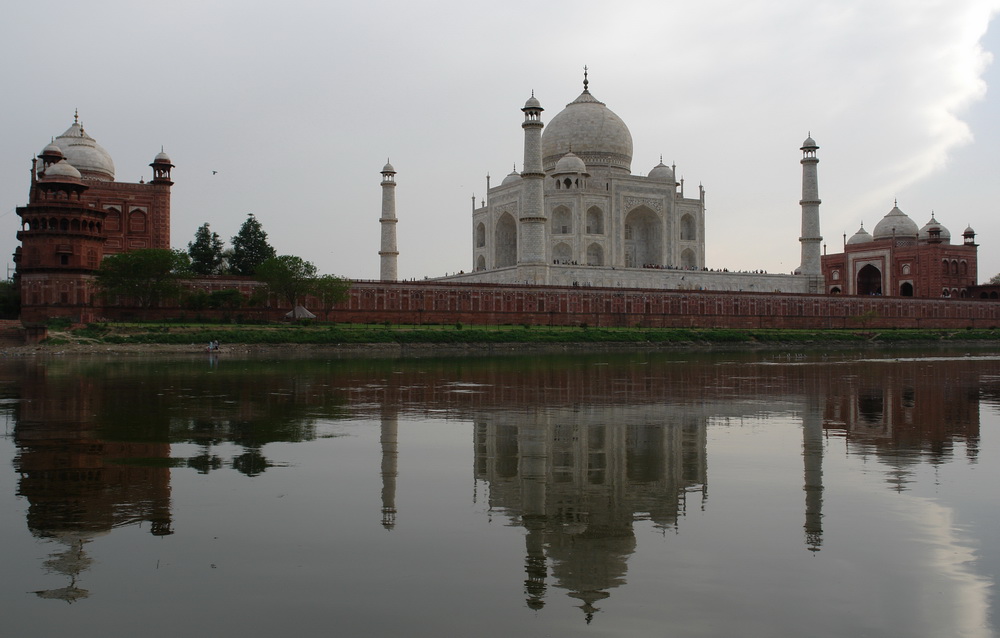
{"points": [[900, 260], [76, 214]]}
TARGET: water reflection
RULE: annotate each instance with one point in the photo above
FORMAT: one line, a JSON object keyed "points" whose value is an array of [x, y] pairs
{"points": [[577, 479], [574, 451]]}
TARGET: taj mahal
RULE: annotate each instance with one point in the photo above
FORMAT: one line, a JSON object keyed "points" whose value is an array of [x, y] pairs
{"points": [[576, 215]]}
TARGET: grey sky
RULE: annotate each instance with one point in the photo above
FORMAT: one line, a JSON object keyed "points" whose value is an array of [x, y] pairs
{"points": [[297, 106]]}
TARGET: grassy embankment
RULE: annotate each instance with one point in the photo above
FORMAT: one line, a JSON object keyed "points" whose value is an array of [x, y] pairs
{"points": [[320, 334]]}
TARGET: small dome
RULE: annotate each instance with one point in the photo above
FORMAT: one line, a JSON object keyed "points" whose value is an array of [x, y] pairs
{"points": [[85, 154], [570, 163], [860, 237], [162, 158], [60, 171], [388, 168], [662, 172], [513, 178], [50, 150], [896, 224], [533, 103], [809, 143], [969, 231], [943, 233]]}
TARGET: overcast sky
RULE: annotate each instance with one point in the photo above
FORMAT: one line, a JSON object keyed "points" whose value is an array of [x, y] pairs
{"points": [[297, 106]]}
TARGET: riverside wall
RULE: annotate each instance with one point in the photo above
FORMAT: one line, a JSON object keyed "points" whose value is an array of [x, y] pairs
{"points": [[498, 304], [418, 302]]}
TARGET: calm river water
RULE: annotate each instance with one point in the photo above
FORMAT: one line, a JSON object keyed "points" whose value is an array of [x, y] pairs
{"points": [[755, 494]]}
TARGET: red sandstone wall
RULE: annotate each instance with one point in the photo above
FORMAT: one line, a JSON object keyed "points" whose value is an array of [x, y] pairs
{"points": [[448, 303]]}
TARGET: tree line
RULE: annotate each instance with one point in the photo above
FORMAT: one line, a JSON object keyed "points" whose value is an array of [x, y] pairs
{"points": [[149, 276]]}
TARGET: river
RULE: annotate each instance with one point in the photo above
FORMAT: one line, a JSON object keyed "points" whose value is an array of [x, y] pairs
{"points": [[622, 494]]}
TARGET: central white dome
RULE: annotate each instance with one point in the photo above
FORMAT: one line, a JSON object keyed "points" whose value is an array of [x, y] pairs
{"points": [[591, 131]]}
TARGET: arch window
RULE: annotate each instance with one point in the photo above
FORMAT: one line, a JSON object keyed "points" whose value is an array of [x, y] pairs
{"points": [[835, 290], [954, 267], [562, 253], [506, 241], [562, 221], [688, 231], [906, 269], [595, 255], [964, 267], [906, 289], [643, 236], [481, 263], [869, 281], [113, 221], [595, 221], [688, 259], [137, 222], [835, 275], [480, 235]]}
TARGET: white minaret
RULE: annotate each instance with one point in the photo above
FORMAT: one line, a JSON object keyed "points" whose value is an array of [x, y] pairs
{"points": [[810, 240], [531, 243], [388, 253]]}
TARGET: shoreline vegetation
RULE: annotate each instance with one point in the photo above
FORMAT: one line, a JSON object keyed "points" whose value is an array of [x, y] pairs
{"points": [[430, 340]]}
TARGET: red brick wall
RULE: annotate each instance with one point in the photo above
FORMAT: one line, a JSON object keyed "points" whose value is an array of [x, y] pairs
{"points": [[447, 303]]}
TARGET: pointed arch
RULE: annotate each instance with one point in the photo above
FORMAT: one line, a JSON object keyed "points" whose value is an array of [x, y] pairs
{"points": [[689, 231], [642, 238], [506, 241], [562, 253], [595, 255], [137, 221], [480, 235], [869, 281], [595, 221], [562, 221], [688, 259]]}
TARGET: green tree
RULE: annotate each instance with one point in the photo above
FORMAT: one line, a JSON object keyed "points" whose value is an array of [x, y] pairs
{"points": [[250, 248], [145, 277], [287, 276], [330, 290], [995, 279], [206, 251]]}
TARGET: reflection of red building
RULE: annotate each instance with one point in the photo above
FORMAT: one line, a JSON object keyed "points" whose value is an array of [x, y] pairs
{"points": [[76, 214], [900, 260]]}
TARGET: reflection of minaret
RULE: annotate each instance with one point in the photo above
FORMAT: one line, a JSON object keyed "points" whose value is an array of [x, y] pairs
{"points": [[389, 439], [533, 463], [812, 458]]}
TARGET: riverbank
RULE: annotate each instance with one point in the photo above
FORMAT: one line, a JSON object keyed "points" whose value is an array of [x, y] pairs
{"points": [[354, 340]]}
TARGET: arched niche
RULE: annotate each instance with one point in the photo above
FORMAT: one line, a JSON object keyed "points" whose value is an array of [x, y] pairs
{"points": [[506, 241]]}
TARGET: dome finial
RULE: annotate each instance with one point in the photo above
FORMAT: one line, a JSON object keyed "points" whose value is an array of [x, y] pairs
{"points": [[76, 116], [586, 82]]}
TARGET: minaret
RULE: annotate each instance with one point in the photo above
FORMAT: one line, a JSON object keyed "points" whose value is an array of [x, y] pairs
{"points": [[388, 253], [810, 240], [531, 243]]}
